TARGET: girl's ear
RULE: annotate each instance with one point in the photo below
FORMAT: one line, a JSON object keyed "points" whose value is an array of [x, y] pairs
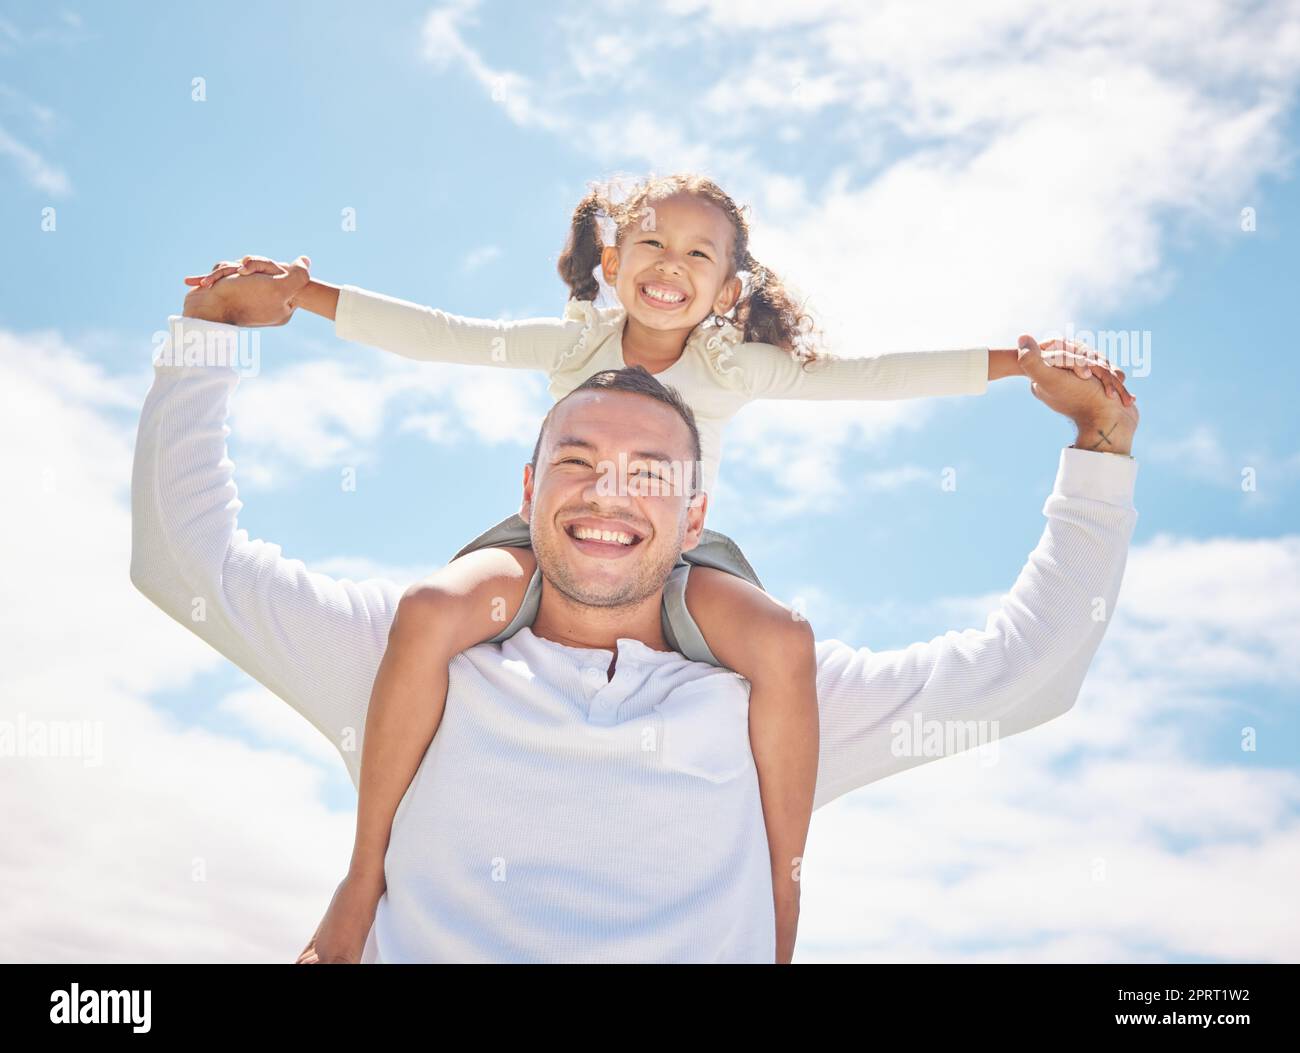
{"points": [[728, 295], [609, 264]]}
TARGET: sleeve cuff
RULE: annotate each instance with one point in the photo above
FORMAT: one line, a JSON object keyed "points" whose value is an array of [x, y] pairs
{"points": [[343, 312], [978, 381], [197, 345], [1108, 477], [355, 313]]}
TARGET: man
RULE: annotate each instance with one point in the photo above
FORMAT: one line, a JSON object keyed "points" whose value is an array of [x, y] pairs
{"points": [[589, 795]]}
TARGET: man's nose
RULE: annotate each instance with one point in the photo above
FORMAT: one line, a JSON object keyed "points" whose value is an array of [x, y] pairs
{"points": [[608, 492]]}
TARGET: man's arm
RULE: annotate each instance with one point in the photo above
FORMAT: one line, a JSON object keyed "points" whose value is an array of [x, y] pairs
{"points": [[1022, 669], [882, 713], [313, 641]]}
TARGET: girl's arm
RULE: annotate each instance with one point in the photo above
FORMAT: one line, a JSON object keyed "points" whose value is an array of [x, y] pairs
{"points": [[320, 298], [425, 333], [772, 373], [430, 334], [772, 647]]}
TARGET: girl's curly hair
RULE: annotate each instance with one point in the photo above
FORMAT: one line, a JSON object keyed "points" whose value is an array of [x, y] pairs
{"points": [[766, 311]]}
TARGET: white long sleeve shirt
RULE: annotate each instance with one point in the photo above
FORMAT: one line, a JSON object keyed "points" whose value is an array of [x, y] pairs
{"points": [[558, 816], [717, 374]]}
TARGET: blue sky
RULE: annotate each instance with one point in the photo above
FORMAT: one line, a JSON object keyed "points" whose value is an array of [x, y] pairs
{"points": [[939, 182]]}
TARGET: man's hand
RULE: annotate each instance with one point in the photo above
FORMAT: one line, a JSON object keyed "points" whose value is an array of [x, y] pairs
{"points": [[1064, 354], [1105, 424], [258, 299]]}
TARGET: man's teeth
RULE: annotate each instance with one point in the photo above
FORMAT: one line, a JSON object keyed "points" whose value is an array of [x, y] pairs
{"points": [[587, 534], [666, 297]]}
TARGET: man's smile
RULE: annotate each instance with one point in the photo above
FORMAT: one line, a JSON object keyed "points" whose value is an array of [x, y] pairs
{"points": [[604, 538]]}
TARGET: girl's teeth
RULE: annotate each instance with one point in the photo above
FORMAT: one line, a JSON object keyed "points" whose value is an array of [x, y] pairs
{"points": [[655, 294]]}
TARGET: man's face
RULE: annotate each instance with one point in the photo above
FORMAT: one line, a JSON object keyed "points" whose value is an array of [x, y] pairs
{"points": [[571, 493]]}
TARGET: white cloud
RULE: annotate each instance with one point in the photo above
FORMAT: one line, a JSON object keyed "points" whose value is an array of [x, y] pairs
{"points": [[43, 175], [896, 478], [1102, 836], [327, 414], [362, 568], [1201, 454], [271, 722], [444, 46], [101, 863], [481, 257], [960, 178], [1137, 844]]}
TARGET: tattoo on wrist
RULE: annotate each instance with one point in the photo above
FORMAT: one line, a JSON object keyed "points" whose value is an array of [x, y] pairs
{"points": [[1103, 438]]}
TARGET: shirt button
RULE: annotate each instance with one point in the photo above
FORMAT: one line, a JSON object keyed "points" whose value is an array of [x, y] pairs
{"points": [[594, 677]]}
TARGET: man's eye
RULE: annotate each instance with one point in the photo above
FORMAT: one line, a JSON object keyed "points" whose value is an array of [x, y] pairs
{"points": [[650, 472], [573, 460]]}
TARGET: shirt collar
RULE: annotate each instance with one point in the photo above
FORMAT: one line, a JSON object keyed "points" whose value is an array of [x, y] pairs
{"points": [[629, 648]]}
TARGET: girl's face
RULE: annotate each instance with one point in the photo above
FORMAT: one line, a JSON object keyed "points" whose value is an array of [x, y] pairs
{"points": [[670, 270]]}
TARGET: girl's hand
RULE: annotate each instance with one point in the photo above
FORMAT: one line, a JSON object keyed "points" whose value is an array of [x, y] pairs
{"points": [[1087, 362], [247, 265], [340, 938]]}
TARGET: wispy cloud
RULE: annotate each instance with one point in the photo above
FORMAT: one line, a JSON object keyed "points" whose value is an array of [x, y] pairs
{"points": [[1259, 475], [444, 46], [325, 414], [34, 168], [1025, 163], [66, 28], [481, 257], [83, 646], [1135, 828]]}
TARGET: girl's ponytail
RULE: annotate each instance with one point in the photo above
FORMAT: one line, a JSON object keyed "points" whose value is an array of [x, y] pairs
{"points": [[581, 253], [769, 314]]}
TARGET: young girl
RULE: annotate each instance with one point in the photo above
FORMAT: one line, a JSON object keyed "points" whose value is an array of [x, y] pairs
{"points": [[681, 247]]}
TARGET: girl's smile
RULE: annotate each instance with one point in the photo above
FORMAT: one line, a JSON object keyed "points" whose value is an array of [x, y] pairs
{"points": [[662, 296]]}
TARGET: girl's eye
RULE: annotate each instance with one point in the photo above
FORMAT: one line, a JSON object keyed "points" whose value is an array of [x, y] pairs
{"points": [[655, 241]]}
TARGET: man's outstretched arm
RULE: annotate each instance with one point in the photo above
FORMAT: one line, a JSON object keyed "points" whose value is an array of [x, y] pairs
{"points": [[1027, 664], [314, 641]]}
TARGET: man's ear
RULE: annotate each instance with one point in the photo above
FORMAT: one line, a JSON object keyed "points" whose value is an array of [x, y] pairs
{"points": [[696, 509], [526, 506], [609, 264]]}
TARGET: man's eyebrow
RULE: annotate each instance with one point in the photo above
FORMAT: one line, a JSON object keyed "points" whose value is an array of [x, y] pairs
{"points": [[644, 455]]}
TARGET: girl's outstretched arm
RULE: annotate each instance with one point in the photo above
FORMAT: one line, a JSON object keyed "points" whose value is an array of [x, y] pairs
{"points": [[416, 331], [772, 373]]}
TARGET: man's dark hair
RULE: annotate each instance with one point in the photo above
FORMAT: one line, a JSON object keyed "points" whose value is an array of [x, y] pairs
{"points": [[640, 381]]}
